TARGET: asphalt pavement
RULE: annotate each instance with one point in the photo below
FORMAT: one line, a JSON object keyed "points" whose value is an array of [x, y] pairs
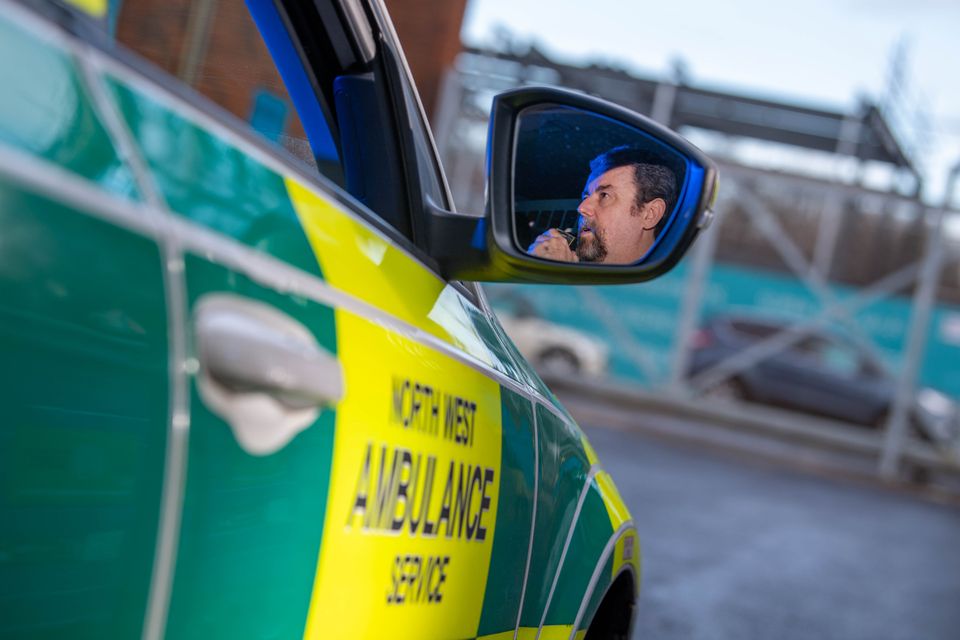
{"points": [[739, 548]]}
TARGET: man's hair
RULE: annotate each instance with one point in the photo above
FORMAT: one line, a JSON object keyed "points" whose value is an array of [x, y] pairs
{"points": [[653, 180]]}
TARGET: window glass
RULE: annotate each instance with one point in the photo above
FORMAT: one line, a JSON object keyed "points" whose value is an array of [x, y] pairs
{"points": [[839, 359], [756, 330], [238, 54], [216, 48], [430, 180]]}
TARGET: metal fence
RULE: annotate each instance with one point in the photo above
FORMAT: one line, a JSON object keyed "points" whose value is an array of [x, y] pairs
{"points": [[877, 266]]}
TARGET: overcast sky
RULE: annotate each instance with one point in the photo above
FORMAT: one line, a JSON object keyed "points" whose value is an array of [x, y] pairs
{"points": [[818, 52]]}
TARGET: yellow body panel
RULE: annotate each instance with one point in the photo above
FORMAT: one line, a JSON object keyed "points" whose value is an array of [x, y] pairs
{"points": [[627, 550], [379, 574], [417, 439], [616, 509], [556, 632], [96, 8], [416, 467], [588, 449], [359, 261]]}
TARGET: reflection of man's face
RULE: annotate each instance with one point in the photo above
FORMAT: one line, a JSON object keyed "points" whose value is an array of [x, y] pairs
{"points": [[612, 229]]}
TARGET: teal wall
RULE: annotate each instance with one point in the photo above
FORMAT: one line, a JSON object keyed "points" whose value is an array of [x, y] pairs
{"points": [[650, 313]]}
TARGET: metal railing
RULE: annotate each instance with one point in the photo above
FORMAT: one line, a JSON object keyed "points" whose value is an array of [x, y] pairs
{"points": [[759, 200]]}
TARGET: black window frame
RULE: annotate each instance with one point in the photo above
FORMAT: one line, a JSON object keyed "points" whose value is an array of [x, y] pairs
{"points": [[389, 67]]}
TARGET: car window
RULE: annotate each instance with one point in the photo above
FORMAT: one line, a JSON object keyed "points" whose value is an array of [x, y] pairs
{"points": [[754, 330], [810, 346], [430, 180], [243, 57], [430, 174], [838, 358], [217, 50]]}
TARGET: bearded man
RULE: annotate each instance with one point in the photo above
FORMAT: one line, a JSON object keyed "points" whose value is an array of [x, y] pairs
{"points": [[625, 204]]}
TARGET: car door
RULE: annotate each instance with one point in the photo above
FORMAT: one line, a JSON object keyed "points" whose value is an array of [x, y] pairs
{"points": [[408, 455], [848, 388], [84, 349], [381, 503]]}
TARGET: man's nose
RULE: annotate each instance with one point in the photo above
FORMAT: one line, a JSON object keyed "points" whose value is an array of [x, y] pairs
{"points": [[585, 208]]}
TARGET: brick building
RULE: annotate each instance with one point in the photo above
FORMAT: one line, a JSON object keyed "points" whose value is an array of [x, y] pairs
{"points": [[214, 47], [430, 33]]}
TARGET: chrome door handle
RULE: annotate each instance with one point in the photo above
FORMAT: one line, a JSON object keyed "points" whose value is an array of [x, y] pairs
{"points": [[244, 348], [261, 370]]}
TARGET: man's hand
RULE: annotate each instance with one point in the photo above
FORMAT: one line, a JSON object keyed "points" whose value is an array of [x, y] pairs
{"points": [[552, 245]]}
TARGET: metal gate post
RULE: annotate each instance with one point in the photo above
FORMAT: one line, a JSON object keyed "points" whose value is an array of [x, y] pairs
{"points": [[692, 302], [924, 299], [828, 234]]}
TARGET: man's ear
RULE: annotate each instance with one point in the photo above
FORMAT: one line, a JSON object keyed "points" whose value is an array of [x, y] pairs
{"points": [[652, 212]]}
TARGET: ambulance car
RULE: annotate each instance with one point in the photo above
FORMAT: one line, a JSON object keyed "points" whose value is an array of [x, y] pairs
{"points": [[250, 387]]}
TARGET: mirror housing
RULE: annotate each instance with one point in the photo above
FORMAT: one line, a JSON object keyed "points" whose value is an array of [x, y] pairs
{"points": [[492, 248]]}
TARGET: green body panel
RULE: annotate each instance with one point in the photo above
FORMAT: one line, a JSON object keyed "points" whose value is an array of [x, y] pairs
{"points": [[520, 369], [507, 360], [599, 591], [84, 379], [213, 183], [592, 532], [46, 112], [85, 375], [563, 472], [514, 516], [524, 372], [252, 525]]}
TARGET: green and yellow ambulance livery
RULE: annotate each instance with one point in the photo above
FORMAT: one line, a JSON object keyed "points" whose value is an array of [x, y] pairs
{"points": [[245, 394]]}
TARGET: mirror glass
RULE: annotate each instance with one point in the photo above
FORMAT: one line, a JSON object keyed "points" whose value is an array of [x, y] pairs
{"points": [[590, 189]]}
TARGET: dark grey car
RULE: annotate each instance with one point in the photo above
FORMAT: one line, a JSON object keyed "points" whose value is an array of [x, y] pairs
{"points": [[819, 373]]}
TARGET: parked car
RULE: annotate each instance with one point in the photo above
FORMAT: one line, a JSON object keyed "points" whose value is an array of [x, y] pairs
{"points": [[250, 386], [554, 349], [819, 373]]}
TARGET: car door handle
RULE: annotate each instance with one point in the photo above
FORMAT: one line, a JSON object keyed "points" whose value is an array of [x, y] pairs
{"points": [[247, 346], [261, 371]]}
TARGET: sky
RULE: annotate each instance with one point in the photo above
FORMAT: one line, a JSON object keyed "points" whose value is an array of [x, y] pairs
{"points": [[816, 52]]}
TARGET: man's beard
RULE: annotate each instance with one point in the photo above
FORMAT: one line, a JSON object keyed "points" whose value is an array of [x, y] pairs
{"points": [[593, 249]]}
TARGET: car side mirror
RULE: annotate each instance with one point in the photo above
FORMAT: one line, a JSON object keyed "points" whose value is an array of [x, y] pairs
{"points": [[579, 191]]}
